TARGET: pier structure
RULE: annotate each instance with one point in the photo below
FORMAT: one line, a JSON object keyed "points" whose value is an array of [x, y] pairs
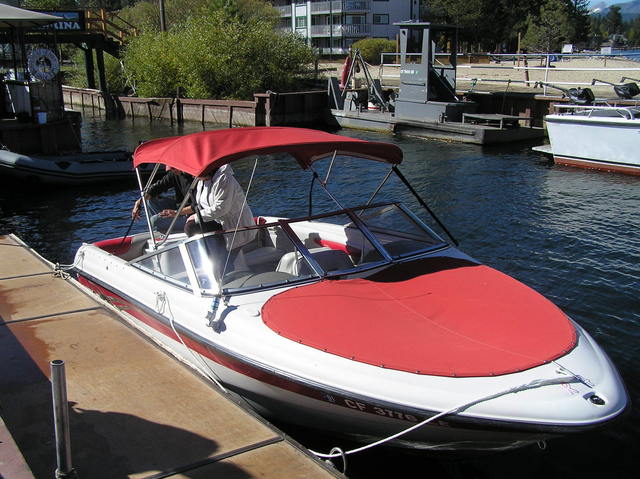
{"points": [[33, 119], [134, 411], [426, 103]]}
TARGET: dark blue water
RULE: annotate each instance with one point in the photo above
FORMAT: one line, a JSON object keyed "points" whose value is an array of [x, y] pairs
{"points": [[571, 234]]}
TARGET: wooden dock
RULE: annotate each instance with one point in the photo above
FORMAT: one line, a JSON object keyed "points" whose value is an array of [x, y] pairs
{"points": [[135, 411]]}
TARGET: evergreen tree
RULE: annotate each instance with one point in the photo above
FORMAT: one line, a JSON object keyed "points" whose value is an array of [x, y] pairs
{"points": [[613, 20], [551, 27]]}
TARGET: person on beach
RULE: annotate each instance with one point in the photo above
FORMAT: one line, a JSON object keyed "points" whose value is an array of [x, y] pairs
{"points": [[161, 207]]}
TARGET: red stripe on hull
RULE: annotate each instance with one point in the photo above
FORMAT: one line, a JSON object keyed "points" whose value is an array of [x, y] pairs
{"points": [[242, 367], [596, 165]]}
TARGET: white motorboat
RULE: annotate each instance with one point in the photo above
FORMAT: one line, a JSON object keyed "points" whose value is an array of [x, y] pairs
{"points": [[599, 137], [70, 169], [362, 320]]}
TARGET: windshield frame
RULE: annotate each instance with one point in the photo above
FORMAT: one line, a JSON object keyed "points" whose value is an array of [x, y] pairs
{"points": [[318, 272]]}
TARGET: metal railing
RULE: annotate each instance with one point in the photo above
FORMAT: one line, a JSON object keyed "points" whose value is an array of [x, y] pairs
{"points": [[326, 30], [629, 113], [546, 67], [334, 6], [356, 30]]}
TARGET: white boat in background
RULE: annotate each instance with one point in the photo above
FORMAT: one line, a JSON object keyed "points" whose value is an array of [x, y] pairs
{"points": [[600, 137], [70, 169], [360, 320]]}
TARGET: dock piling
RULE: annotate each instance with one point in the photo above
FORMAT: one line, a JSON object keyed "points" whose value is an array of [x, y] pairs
{"points": [[61, 421]]}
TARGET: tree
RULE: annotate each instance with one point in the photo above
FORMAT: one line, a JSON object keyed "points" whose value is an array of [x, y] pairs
{"points": [[613, 20], [217, 56], [372, 48], [579, 15], [551, 27]]}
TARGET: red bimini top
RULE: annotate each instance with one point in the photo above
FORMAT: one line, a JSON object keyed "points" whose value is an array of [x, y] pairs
{"points": [[436, 316], [200, 153]]}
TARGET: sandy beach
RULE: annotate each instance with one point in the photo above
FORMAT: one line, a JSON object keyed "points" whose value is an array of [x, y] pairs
{"points": [[495, 75]]}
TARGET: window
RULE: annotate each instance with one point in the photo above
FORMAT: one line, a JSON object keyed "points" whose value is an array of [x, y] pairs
{"points": [[356, 19], [168, 263], [301, 22], [380, 19]]}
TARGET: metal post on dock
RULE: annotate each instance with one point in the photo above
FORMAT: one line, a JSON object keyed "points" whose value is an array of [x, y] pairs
{"points": [[61, 421]]}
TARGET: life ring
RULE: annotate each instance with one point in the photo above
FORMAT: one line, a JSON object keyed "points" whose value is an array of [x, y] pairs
{"points": [[43, 64]]}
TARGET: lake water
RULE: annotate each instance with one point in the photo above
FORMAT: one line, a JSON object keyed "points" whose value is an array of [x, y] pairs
{"points": [[573, 235]]}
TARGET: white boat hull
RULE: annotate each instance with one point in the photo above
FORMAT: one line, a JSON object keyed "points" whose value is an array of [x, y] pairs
{"points": [[363, 416], [605, 143]]}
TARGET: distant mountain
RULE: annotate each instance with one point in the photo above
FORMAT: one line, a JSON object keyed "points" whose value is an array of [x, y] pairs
{"points": [[628, 10]]}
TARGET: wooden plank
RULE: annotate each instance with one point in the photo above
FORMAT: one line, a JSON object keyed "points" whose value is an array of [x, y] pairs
{"points": [[264, 462], [12, 464], [16, 260], [37, 296], [134, 411]]}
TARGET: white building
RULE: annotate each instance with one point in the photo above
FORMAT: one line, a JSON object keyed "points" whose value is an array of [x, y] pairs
{"points": [[332, 26]]}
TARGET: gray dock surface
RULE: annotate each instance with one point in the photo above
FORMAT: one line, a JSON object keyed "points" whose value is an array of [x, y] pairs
{"points": [[135, 411]]}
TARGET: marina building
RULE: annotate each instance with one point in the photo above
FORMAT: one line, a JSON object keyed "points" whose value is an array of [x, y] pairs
{"points": [[332, 26]]}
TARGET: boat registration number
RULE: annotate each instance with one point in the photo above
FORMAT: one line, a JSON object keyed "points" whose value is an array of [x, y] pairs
{"points": [[364, 407]]}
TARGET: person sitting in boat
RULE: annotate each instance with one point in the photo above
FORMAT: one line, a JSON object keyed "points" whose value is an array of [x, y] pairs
{"points": [[222, 205], [160, 207]]}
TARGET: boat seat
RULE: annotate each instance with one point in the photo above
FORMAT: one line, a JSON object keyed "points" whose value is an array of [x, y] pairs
{"points": [[328, 259], [262, 259]]}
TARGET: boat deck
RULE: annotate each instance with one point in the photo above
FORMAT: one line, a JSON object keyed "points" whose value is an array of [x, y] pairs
{"points": [[134, 411]]}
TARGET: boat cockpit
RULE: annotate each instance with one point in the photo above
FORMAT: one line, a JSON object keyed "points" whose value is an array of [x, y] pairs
{"points": [[287, 251]]}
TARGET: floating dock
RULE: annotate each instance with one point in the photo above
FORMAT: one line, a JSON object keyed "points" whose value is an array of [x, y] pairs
{"points": [[134, 411]]}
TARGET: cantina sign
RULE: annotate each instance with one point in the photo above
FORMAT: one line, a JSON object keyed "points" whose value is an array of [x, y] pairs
{"points": [[74, 20]]}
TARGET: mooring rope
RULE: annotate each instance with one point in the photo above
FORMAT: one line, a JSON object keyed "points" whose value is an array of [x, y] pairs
{"points": [[161, 303], [455, 410]]}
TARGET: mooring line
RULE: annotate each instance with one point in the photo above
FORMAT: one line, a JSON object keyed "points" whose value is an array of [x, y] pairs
{"points": [[219, 457], [44, 316], [27, 275]]}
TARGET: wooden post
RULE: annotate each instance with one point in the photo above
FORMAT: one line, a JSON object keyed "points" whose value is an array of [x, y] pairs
{"points": [[179, 113], [202, 120], [102, 78], [88, 61], [230, 116]]}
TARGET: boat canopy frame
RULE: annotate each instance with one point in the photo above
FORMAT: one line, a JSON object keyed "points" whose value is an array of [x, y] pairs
{"points": [[200, 154]]}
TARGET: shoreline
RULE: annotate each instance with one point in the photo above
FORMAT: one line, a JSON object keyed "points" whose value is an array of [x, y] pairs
{"points": [[501, 75]]}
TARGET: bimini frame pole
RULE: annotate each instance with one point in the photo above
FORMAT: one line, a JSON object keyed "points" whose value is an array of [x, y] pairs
{"points": [[143, 192], [424, 204], [182, 205]]}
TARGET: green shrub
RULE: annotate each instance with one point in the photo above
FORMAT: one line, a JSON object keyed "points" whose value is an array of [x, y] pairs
{"points": [[371, 48], [217, 56], [76, 75]]}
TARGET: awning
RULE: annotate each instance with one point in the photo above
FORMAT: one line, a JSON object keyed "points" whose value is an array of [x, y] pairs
{"points": [[199, 153], [12, 17]]}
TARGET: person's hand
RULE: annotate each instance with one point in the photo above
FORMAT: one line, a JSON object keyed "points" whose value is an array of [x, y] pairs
{"points": [[168, 213]]}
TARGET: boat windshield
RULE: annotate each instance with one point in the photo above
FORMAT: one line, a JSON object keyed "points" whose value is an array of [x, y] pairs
{"points": [[286, 251]]}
